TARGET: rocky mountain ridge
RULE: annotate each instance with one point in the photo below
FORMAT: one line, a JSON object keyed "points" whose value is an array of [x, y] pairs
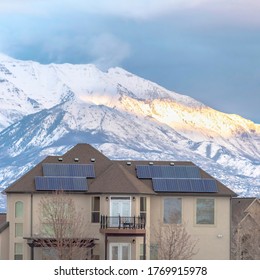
{"points": [[46, 109]]}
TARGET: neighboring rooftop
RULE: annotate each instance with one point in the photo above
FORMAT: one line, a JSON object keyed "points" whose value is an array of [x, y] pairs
{"points": [[2, 218], [240, 206], [3, 223]]}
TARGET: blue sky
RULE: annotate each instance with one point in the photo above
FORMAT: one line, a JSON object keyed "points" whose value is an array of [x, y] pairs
{"points": [[207, 49]]}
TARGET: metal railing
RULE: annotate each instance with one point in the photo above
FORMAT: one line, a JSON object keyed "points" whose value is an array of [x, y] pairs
{"points": [[122, 222]]}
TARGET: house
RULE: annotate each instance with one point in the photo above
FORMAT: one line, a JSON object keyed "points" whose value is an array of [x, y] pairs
{"points": [[245, 228], [4, 237], [123, 202]]}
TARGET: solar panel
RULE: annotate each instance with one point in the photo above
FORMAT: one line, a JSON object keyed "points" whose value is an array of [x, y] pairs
{"points": [[210, 185], [143, 172], [160, 185], [68, 170], [156, 171], [61, 183], [184, 185], [193, 172], [165, 185], [167, 171], [197, 185], [181, 172]]}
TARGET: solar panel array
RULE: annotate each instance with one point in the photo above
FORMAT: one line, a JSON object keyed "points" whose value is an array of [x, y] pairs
{"points": [[68, 170], [67, 177], [176, 178], [167, 171], [184, 185], [61, 183]]}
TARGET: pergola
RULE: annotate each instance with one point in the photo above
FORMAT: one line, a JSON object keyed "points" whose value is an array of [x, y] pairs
{"points": [[88, 243]]}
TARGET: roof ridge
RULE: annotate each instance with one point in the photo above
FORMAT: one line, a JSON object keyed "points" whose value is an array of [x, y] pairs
{"points": [[113, 164], [102, 174], [6, 190], [116, 168], [126, 172], [256, 200]]}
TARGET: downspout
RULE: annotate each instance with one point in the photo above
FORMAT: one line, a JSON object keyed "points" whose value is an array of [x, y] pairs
{"points": [[31, 229], [230, 225], [144, 246]]}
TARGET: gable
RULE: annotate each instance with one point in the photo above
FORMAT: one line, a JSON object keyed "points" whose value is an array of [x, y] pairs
{"points": [[116, 179]]}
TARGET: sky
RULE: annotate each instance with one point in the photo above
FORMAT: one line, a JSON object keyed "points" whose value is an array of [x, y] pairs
{"points": [[207, 49]]}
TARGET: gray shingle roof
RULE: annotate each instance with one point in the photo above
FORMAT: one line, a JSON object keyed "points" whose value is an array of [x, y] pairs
{"points": [[3, 223], [112, 176]]}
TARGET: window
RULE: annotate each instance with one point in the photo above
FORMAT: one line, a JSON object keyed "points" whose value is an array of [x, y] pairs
{"points": [[57, 216], [143, 207], [120, 251], [18, 230], [153, 252], [95, 214], [172, 213], [50, 253], [48, 229], [141, 251], [205, 213], [18, 251], [19, 209]]}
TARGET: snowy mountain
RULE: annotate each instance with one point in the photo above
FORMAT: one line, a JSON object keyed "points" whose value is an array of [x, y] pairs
{"points": [[46, 109]]}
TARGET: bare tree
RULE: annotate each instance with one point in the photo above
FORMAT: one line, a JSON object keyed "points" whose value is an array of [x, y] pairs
{"points": [[174, 243], [246, 234], [62, 228], [246, 240]]}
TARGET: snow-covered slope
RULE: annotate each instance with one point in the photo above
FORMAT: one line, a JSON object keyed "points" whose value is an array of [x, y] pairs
{"points": [[45, 109]]}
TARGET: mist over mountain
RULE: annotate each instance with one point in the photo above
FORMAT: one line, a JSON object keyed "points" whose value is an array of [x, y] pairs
{"points": [[47, 109]]}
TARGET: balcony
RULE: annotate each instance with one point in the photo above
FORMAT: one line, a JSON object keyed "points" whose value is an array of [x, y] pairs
{"points": [[122, 225]]}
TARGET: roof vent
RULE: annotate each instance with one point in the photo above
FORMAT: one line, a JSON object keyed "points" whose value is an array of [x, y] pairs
{"points": [[76, 159], [92, 159], [172, 163], [150, 163], [60, 159], [129, 163]]}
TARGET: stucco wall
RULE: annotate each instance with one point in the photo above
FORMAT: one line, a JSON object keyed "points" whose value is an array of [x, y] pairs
{"points": [[213, 240], [4, 244]]}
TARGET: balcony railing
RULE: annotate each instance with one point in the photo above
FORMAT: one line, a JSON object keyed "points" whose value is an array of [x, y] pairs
{"points": [[120, 222]]}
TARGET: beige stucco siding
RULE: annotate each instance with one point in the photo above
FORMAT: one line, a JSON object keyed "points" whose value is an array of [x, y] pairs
{"points": [[4, 244], [213, 240], [25, 220]]}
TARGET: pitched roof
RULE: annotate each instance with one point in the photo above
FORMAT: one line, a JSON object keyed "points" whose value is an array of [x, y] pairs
{"points": [[116, 179], [3, 223], [112, 176], [2, 218], [255, 202], [84, 153], [239, 206], [130, 166]]}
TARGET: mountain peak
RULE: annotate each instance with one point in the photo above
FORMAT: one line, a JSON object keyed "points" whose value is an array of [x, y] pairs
{"points": [[48, 108], [5, 58]]}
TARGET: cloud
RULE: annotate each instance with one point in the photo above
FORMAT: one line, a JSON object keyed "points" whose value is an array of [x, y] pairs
{"points": [[20, 6], [108, 51], [133, 8], [138, 9], [232, 12], [228, 10], [146, 9]]}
